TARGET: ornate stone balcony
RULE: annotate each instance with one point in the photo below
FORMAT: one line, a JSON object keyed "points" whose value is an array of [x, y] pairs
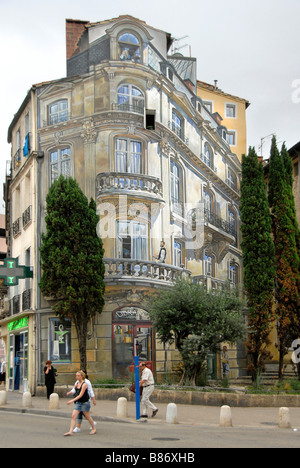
{"points": [[141, 271], [117, 183]]}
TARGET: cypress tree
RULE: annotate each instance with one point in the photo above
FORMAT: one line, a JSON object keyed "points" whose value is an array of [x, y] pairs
{"points": [[72, 258], [286, 236], [259, 261]]}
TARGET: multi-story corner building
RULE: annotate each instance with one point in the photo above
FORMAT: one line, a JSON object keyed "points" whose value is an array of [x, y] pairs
{"points": [[230, 111], [127, 123]]}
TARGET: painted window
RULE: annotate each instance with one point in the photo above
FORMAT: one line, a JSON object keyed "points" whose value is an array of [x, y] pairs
{"points": [[132, 240], [60, 163], [129, 47], [58, 112], [60, 340]]}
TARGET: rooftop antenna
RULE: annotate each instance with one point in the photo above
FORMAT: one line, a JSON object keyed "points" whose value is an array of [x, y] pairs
{"points": [[176, 48]]}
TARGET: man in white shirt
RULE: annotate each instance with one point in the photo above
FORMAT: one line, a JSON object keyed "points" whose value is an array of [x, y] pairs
{"points": [[147, 382]]}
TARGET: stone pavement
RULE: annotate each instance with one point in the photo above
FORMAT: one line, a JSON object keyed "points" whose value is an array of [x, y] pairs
{"points": [[106, 410]]}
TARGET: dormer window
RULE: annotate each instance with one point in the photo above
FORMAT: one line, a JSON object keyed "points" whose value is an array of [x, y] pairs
{"points": [[129, 47]]}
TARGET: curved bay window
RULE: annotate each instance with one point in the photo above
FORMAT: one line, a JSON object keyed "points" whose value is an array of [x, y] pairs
{"points": [[130, 98], [132, 334], [129, 47]]}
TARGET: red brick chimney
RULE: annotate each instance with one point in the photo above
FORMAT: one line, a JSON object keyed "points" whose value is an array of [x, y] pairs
{"points": [[74, 30]]}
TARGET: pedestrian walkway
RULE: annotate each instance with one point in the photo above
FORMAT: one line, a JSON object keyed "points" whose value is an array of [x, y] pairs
{"points": [[106, 410]]}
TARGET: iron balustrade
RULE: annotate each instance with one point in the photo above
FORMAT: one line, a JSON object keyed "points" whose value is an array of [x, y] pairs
{"points": [[126, 107], [217, 221]]}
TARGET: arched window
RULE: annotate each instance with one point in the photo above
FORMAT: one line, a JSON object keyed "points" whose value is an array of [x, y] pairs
{"points": [[233, 273], [209, 265], [208, 201], [60, 163], [175, 187], [207, 157], [129, 47], [177, 124], [58, 112], [130, 98]]}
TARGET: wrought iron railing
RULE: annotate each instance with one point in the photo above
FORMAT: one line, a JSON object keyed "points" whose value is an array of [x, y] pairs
{"points": [[125, 107], [217, 221]]}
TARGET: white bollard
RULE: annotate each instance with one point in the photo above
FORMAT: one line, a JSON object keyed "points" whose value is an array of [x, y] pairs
{"points": [[54, 401], [171, 416], [122, 408], [225, 416], [284, 418], [26, 400], [3, 397]]}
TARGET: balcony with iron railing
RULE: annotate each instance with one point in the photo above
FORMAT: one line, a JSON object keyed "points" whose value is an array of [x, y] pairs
{"points": [[220, 223], [178, 131], [126, 107]]}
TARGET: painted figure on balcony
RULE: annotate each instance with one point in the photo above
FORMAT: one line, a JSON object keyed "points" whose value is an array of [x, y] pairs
{"points": [[161, 258]]}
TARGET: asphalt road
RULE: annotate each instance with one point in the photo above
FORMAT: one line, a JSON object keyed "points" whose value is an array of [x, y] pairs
{"points": [[18, 430]]}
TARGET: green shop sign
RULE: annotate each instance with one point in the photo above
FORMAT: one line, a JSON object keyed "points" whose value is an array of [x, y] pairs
{"points": [[22, 323]]}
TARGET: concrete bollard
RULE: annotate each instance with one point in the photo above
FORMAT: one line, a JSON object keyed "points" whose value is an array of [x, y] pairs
{"points": [[225, 416], [54, 401], [122, 411], [3, 397], [284, 418], [26, 400], [171, 416]]}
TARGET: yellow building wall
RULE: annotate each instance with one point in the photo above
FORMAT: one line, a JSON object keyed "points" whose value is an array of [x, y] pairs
{"points": [[219, 100]]}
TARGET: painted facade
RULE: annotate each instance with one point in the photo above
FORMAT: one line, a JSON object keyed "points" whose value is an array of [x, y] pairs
{"points": [[127, 122]]}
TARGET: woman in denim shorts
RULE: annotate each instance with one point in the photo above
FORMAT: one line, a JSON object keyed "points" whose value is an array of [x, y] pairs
{"points": [[82, 403]]}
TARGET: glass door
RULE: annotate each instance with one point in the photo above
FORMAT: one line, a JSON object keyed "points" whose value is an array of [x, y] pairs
{"points": [[23, 355], [11, 362], [130, 329]]}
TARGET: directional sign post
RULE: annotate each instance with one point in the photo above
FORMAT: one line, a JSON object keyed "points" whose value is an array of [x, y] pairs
{"points": [[11, 271]]}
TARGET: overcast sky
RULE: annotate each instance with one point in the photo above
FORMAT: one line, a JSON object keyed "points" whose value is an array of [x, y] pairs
{"points": [[250, 46]]}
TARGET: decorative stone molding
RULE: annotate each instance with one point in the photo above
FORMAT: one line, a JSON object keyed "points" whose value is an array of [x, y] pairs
{"points": [[89, 133]]}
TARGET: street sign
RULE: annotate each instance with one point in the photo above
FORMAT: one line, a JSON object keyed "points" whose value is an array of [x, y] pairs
{"points": [[11, 271]]}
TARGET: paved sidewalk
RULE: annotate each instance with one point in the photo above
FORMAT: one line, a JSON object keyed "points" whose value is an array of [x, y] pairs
{"points": [[106, 410]]}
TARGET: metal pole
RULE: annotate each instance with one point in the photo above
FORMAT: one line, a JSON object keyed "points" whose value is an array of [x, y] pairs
{"points": [[137, 381]]}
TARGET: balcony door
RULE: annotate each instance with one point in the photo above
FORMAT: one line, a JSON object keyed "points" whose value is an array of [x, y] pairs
{"points": [[132, 240]]}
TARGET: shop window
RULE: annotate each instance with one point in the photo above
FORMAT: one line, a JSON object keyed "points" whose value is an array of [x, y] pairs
{"points": [[60, 340]]}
